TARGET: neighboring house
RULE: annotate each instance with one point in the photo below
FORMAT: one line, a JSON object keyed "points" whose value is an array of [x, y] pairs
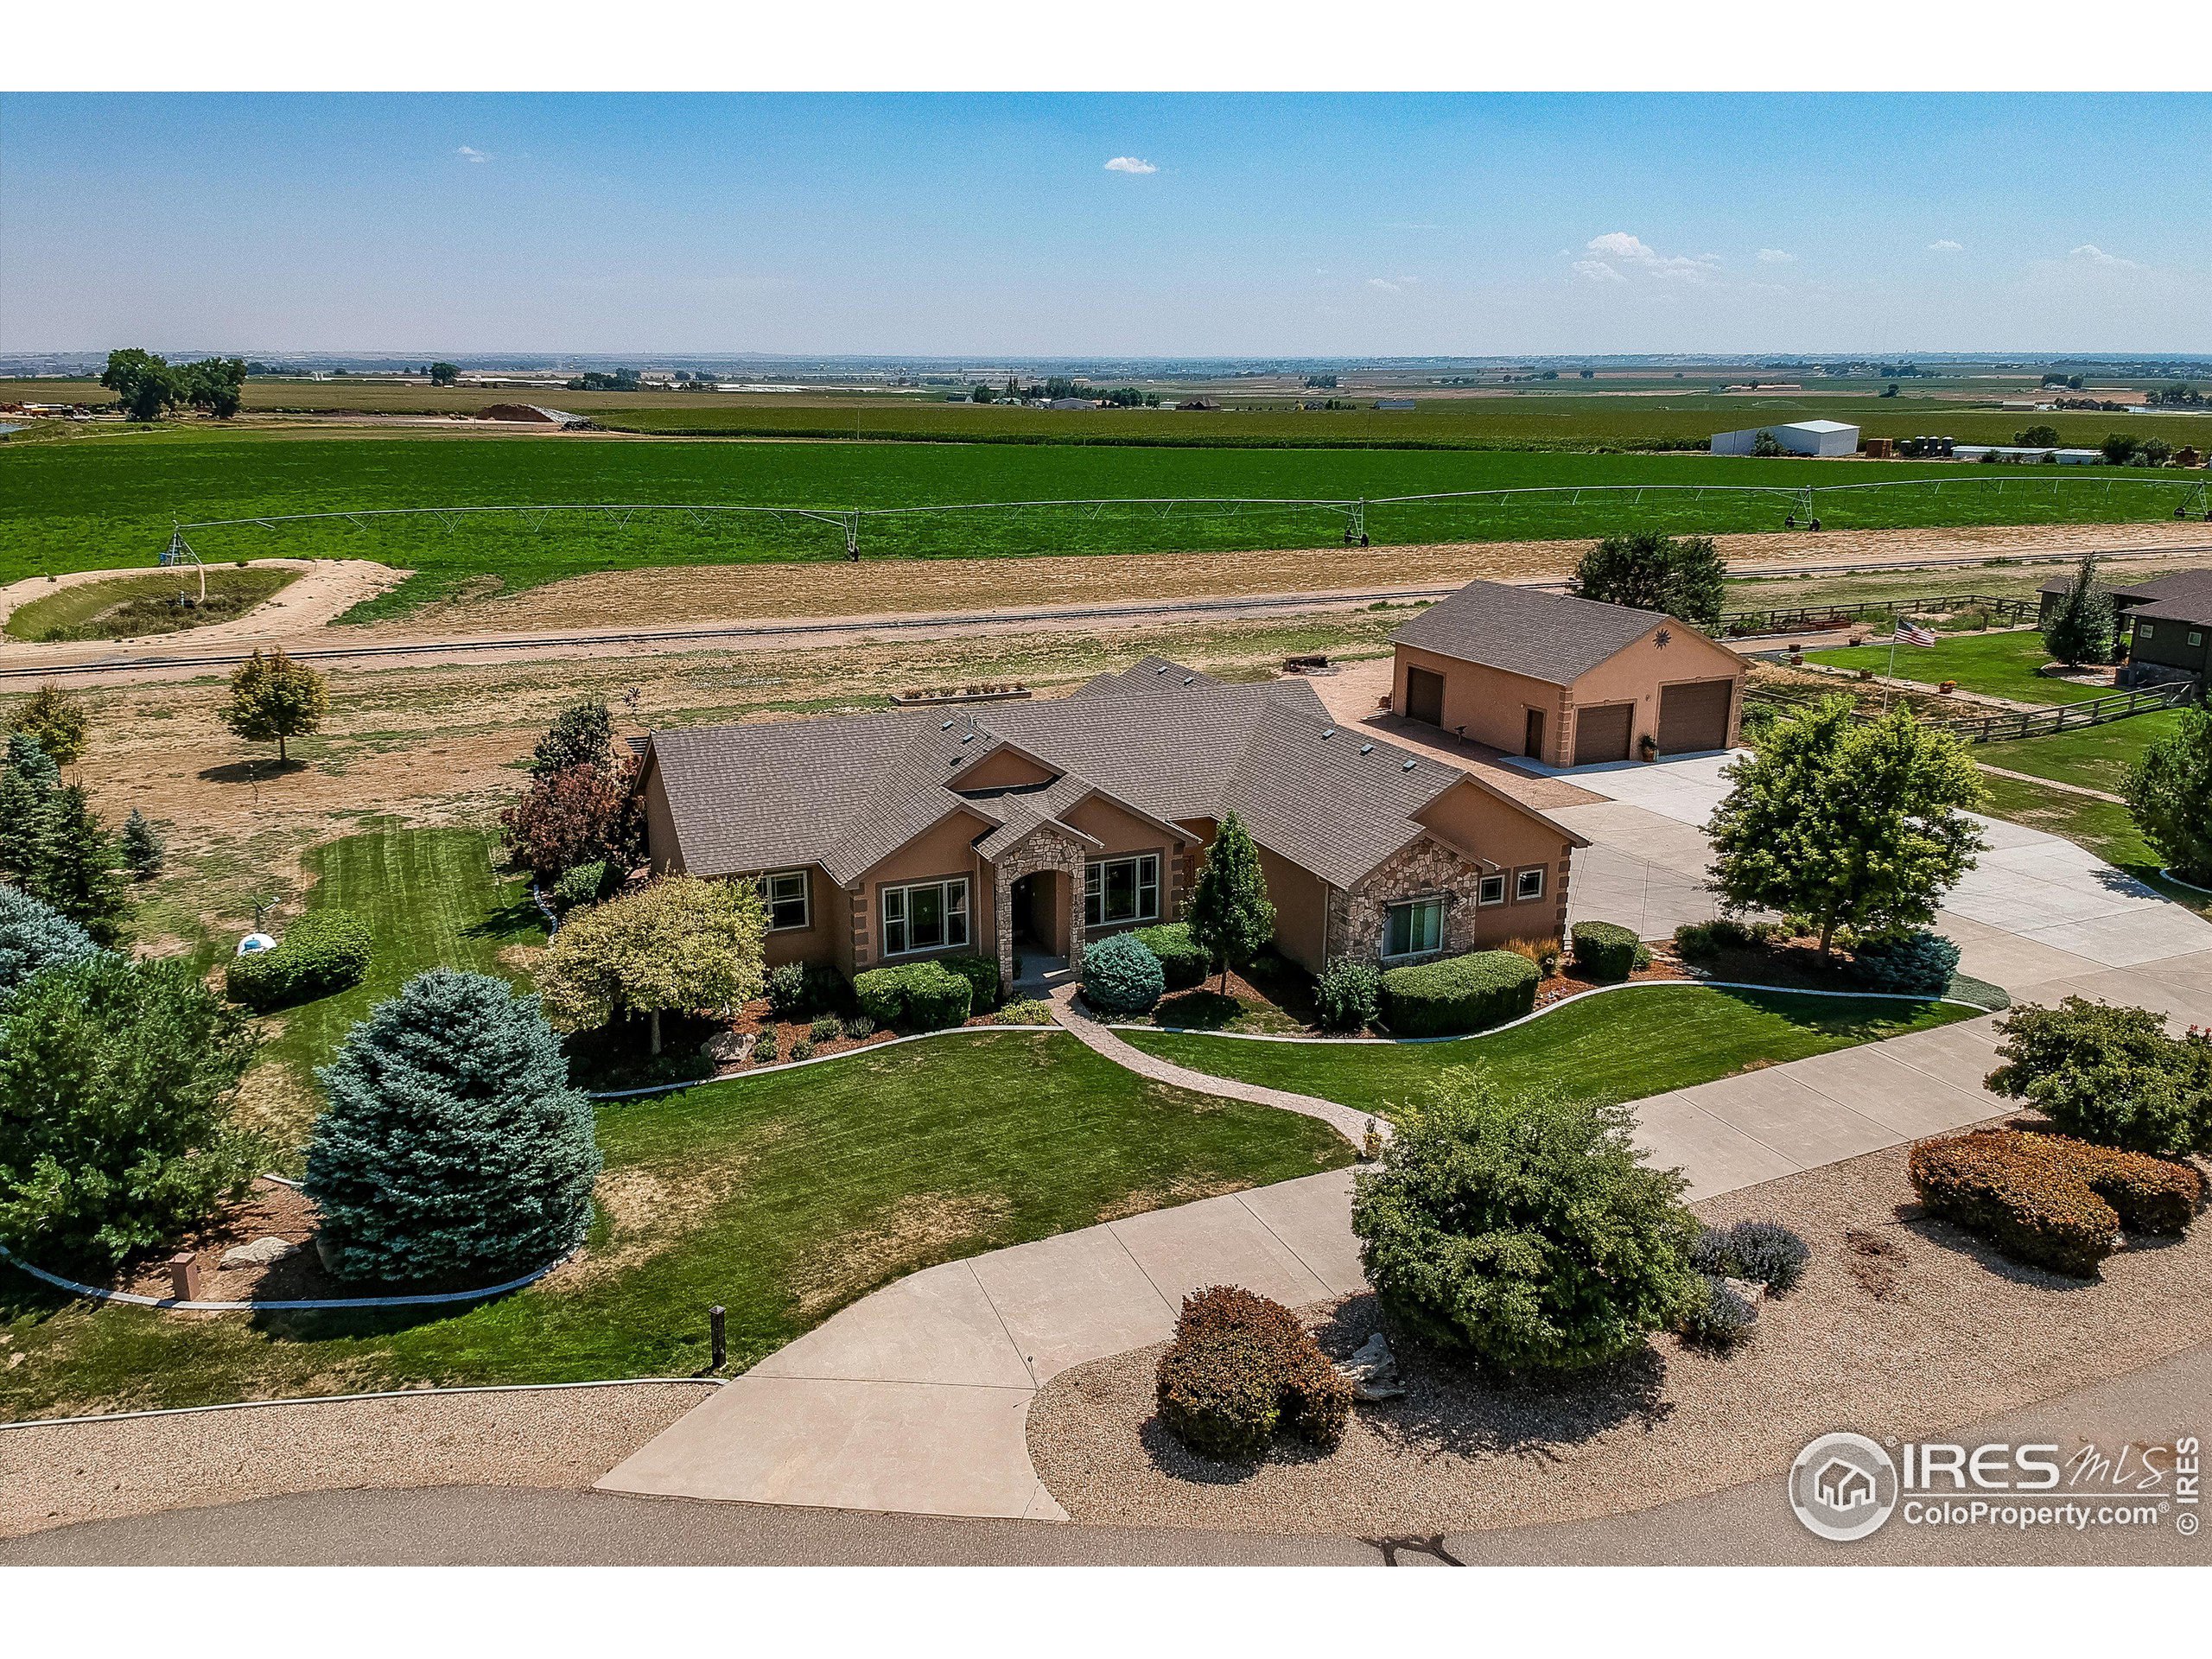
{"points": [[2169, 620], [1568, 682], [1026, 829]]}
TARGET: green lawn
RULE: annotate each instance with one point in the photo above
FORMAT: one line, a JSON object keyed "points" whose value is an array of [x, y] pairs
{"points": [[2096, 756], [433, 900], [106, 499], [1997, 664], [2104, 827], [1622, 1046], [130, 606], [781, 1197]]}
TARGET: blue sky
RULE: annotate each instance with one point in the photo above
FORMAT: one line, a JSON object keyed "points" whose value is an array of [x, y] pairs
{"points": [[972, 224]]}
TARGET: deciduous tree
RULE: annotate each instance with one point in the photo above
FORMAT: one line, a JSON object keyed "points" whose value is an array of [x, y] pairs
{"points": [[146, 386], [1847, 822], [1651, 572], [582, 735], [56, 718], [274, 699], [679, 944], [583, 815]]}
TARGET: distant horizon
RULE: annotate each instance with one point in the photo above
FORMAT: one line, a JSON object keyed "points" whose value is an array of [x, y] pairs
{"points": [[1052, 227]]}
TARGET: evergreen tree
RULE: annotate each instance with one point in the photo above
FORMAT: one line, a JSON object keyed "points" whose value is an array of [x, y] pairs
{"points": [[2083, 629], [35, 936], [582, 735], [274, 698], [1229, 916], [2170, 793], [1650, 572], [77, 868], [1847, 824], [144, 847], [28, 781], [56, 719], [453, 1146]]}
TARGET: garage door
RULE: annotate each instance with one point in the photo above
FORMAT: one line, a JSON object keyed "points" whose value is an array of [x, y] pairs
{"points": [[1425, 696], [1601, 733], [1693, 716]]}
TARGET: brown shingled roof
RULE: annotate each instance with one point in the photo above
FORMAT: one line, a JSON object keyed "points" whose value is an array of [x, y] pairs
{"points": [[1159, 740], [1548, 636]]}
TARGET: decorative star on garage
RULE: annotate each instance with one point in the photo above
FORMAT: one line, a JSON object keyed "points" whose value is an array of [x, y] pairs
{"points": [[1662, 637]]}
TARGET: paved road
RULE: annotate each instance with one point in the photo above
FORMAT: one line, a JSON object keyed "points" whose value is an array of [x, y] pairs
{"points": [[490, 1526]]}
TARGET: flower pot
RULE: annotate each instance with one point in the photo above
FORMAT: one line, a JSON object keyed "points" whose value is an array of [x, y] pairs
{"points": [[1948, 687]]}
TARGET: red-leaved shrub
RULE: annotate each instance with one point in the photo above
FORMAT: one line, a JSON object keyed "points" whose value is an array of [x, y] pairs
{"points": [[2051, 1200]]}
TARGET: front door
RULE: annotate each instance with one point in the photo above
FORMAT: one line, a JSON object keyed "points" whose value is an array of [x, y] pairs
{"points": [[1532, 737], [1425, 696]]}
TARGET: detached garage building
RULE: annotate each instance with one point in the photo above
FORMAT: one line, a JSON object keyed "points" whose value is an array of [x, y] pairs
{"points": [[1568, 682], [1798, 437]]}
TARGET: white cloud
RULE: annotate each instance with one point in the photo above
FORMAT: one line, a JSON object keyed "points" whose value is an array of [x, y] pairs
{"points": [[1393, 285], [1130, 164], [1946, 246], [2090, 254], [1775, 256], [1617, 248], [469, 152], [1401, 226]]}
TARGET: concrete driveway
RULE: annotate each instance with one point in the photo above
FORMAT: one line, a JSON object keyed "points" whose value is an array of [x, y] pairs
{"points": [[914, 1398]]}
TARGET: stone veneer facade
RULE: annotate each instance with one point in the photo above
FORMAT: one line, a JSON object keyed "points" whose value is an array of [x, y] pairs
{"points": [[1358, 916], [1042, 849]]}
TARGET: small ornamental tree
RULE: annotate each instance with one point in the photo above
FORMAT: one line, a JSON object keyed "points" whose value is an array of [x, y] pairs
{"points": [[1229, 915], [274, 699], [682, 943], [144, 847], [77, 868], [1528, 1231], [1847, 824], [582, 735], [1650, 572], [583, 815], [116, 1083], [2110, 1074], [2170, 793], [2082, 629], [453, 1147], [56, 719], [35, 936]]}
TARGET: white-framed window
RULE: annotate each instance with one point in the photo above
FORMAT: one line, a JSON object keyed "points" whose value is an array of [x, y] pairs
{"points": [[925, 916], [783, 893], [1490, 890], [2195, 639], [2147, 629], [1414, 928], [1117, 890], [1529, 884]]}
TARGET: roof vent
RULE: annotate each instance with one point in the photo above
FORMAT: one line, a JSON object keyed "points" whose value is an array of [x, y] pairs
{"points": [[967, 737], [1367, 749], [1409, 765], [1326, 735], [946, 727], [1162, 669], [1189, 679]]}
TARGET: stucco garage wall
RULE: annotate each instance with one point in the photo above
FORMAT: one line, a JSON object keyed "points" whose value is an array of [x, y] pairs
{"points": [[1635, 673], [1486, 704]]}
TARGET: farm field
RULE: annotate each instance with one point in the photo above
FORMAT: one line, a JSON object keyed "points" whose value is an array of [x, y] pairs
{"points": [[107, 498], [782, 1197], [1622, 1046]]}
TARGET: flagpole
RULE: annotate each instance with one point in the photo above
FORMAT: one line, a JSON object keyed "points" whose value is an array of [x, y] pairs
{"points": [[1892, 672]]}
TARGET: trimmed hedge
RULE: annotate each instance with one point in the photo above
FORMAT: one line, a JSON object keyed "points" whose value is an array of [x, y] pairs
{"points": [[2050, 1200], [1122, 976], [981, 974], [325, 950], [1605, 949], [1440, 999], [915, 996], [1181, 958], [1241, 1367]]}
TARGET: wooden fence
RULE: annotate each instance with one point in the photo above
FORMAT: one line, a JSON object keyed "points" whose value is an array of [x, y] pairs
{"points": [[1826, 619], [1999, 725]]}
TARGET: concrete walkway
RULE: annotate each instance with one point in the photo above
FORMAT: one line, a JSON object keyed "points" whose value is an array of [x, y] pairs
{"points": [[914, 1399]]}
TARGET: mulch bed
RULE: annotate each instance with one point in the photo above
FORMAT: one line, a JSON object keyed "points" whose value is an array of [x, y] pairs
{"points": [[1904, 1325]]}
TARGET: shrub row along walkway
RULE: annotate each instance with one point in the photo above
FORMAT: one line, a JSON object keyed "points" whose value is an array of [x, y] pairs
{"points": [[914, 1398]]}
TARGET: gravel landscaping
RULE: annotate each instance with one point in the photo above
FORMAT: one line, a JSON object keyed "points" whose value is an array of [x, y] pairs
{"points": [[54, 1474], [1904, 1325]]}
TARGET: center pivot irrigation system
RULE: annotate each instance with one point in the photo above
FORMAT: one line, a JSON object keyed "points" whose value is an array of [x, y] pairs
{"points": [[1799, 505]]}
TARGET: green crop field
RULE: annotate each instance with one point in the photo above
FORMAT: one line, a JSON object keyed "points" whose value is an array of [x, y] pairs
{"points": [[107, 499]]}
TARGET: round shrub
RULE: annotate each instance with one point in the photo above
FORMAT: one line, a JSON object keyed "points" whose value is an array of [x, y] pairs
{"points": [[324, 951], [981, 974], [1719, 1317], [1348, 994], [1917, 964], [1242, 1367], [1182, 959], [580, 884], [763, 1047], [35, 936], [803, 1049], [1526, 1230], [1440, 999], [825, 1029], [916, 996], [2051, 1200], [1699, 940], [454, 1146], [1765, 1252], [1119, 975], [1605, 950], [2110, 1074]]}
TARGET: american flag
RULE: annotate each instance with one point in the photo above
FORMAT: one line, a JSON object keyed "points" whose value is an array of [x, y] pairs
{"points": [[1911, 634]]}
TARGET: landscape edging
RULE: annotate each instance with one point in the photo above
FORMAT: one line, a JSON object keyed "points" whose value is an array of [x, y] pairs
{"points": [[171, 1304], [382, 1393], [1551, 1008]]}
